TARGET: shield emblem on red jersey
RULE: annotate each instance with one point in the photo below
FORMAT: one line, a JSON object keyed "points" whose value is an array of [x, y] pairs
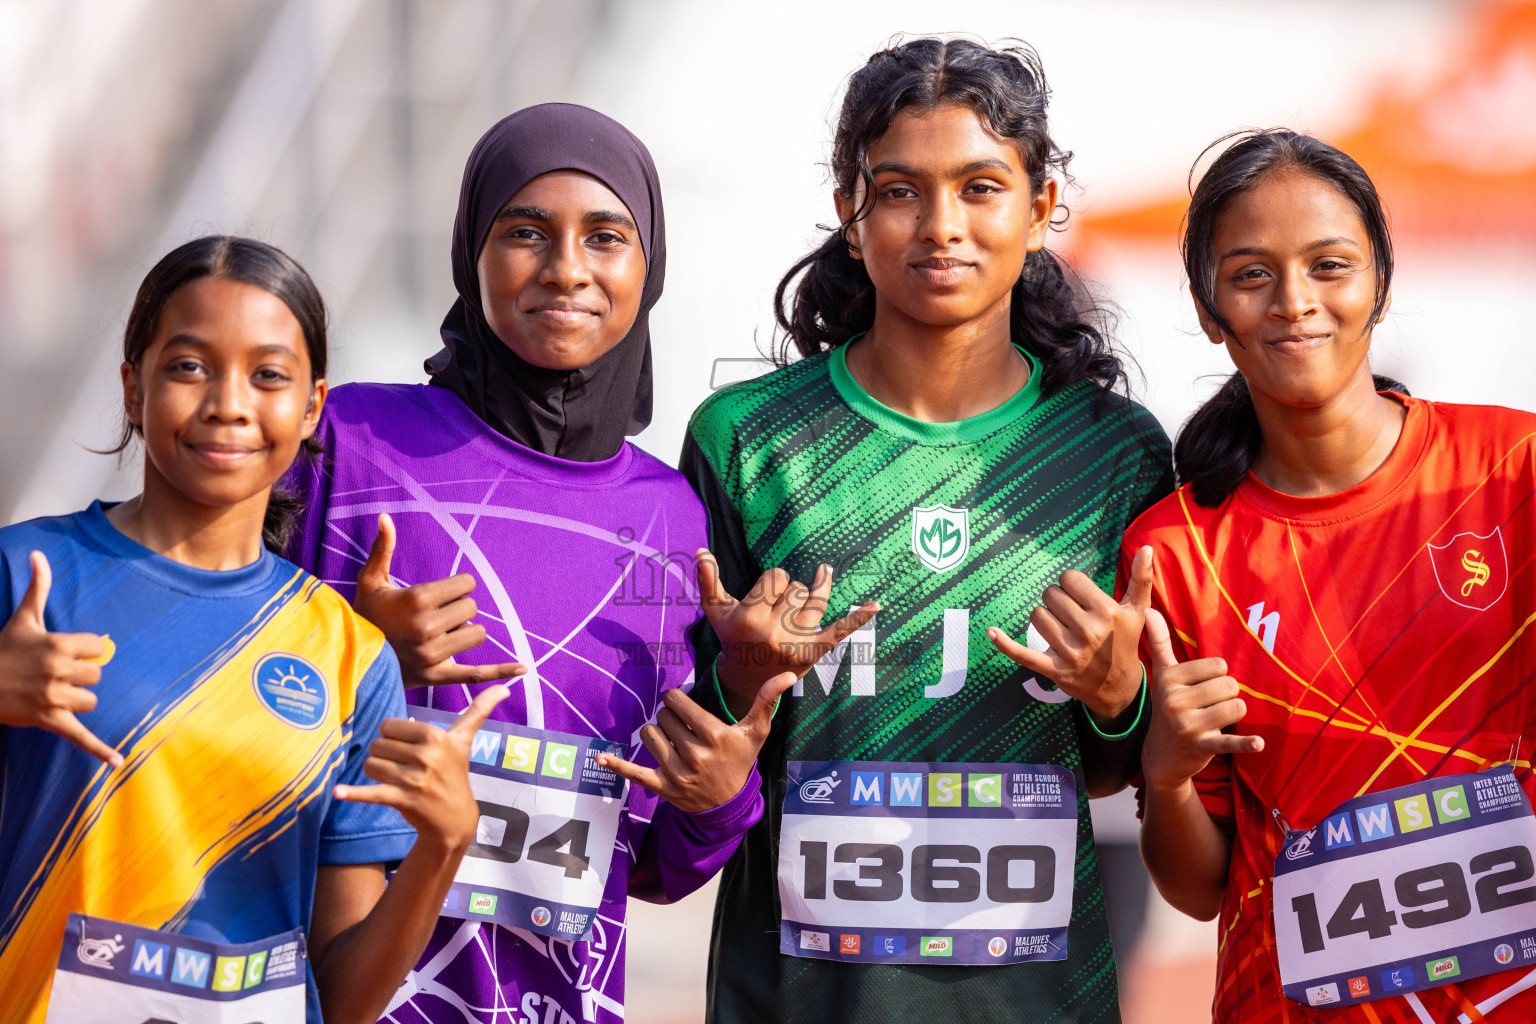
{"points": [[1472, 568]]}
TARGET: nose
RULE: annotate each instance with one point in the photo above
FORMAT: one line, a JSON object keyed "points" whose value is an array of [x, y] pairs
{"points": [[941, 222], [228, 399], [1295, 298], [565, 267]]}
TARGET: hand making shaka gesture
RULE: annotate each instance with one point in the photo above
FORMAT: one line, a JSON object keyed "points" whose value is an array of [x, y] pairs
{"points": [[775, 627]]}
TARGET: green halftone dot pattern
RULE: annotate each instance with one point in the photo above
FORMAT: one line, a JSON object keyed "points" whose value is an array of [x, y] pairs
{"points": [[817, 473]]}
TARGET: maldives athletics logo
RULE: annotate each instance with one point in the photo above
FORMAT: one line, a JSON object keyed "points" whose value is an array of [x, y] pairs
{"points": [[941, 536], [1472, 569]]}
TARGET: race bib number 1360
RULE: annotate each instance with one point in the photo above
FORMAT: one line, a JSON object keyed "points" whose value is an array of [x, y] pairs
{"points": [[1408, 889], [918, 862]]}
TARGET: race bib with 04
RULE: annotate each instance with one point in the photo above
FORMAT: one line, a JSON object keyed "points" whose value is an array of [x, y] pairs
{"points": [[544, 845]]}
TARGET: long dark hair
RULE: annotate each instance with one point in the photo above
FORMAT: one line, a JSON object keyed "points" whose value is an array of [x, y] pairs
{"points": [[246, 261], [1218, 444], [1051, 316]]}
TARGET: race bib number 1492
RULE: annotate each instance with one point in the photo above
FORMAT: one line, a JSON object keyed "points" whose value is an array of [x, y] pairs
{"points": [[918, 862], [1408, 889]]}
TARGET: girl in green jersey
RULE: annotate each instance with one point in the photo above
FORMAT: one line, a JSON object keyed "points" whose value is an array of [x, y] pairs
{"points": [[949, 451]]}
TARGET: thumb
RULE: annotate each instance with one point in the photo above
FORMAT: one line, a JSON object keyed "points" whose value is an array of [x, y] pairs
{"points": [[1159, 641], [374, 574], [1139, 593], [759, 719], [712, 594], [474, 716], [36, 598]]}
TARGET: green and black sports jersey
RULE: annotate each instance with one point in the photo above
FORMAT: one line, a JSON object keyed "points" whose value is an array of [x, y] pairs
{"points": [[952, 527]]}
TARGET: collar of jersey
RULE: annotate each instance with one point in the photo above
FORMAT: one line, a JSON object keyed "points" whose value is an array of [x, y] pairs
{"points": [[168, 571], [521, 459], [921, 431], [1365, 496]]}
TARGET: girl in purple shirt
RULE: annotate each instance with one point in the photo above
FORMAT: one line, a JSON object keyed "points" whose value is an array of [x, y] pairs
{"points": [[509, 476]]}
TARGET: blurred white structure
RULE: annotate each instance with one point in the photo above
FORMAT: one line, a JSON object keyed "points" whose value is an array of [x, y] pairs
{"points": [[338, 128]]}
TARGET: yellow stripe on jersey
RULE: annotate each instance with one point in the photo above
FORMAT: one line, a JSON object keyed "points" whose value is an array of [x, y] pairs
{"points": [[207, 777]]}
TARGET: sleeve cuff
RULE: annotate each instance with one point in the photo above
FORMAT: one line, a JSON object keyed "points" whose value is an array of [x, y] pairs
{"points": [[381, 848], [1141, 709], [737, 814]]}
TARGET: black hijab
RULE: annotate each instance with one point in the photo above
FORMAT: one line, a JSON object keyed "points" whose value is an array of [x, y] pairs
{"points": [[582, 414]]}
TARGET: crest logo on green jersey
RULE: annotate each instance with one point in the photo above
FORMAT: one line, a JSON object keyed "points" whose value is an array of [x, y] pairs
{"points": [[941, 536]]}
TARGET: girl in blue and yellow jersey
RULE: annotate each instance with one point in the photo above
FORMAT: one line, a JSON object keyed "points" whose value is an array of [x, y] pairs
{"points": [[187, 719]]}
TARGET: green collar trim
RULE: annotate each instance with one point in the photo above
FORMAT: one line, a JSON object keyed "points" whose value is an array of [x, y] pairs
{"points": [[922, 432]]}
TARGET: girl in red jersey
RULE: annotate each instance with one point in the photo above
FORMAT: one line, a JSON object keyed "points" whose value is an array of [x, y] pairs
{"points": [[1339, 758]]}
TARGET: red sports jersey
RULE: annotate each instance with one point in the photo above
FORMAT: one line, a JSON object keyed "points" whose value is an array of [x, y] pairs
{"points": [[1382, 635]]}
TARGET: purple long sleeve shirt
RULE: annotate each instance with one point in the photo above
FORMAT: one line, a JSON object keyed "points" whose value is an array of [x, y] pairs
{"points": [[584, 575]]}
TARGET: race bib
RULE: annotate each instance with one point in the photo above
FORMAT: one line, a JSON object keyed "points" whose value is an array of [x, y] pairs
{"points": [[922, 862], [549, 815], [111, 973], [1407, 889]]}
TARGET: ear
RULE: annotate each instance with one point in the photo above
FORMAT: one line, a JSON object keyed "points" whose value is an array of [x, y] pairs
{"points": [[1386, 307], [133, 399], [317, 392], [845, 210], [1213, 332], [1041, 211]]}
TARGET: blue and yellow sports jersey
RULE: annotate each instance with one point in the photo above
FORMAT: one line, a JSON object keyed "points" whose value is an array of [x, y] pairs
{"points": [[238, 700]]}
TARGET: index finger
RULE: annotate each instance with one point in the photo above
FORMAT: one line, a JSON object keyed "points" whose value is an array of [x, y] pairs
{"points": [[81, 646], [1229, 743], [479, 710], [650, 778], [839, 630], [1080, 588], [1193, 673], [437, 593], [407, 730], [815, 604], [685, 707]]}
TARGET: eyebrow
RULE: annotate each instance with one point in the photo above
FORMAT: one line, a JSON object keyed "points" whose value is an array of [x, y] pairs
{"points": [[195, 342], [608, 217], [525, 213], [989, 164], [1259, 250], [538, 213]]}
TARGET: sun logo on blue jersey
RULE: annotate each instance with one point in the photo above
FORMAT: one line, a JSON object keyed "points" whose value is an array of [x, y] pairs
{"points": [[292, 689]]}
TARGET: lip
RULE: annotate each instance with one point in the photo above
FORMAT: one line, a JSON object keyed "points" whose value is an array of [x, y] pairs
{"points": [[1298, 344], [942, 271], [220, 454], [563, 312]]}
